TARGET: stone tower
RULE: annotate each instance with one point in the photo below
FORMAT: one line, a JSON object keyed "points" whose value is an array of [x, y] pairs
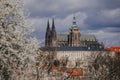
{"points": [[53, 35], [50, 37], [74, 34]]}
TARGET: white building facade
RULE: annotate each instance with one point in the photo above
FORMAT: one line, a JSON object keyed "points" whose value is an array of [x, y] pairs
{"points": [[77, 53]]}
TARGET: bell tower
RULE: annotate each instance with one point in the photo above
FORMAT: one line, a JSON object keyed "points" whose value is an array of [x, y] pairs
{"points": [[74, 34]]}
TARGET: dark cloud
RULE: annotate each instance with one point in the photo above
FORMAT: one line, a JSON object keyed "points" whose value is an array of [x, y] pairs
{"points": [[109, 4], [64, 7]]}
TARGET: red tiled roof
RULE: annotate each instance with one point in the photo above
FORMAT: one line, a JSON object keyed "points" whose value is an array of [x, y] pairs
{"points": [[114, 49], [54, 68], [75, 72]]}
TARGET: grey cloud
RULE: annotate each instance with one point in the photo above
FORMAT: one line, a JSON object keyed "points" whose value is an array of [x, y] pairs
{"points": [[103, 18], [99, 12], [109, 4], [63, 7], [55, 7]]}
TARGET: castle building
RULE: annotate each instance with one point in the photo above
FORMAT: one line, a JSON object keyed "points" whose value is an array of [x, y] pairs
{"points": [[73, 39], [73, 45]]}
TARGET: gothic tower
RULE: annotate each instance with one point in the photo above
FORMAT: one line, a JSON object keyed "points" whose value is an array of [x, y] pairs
{"points": [[53, 35], [48, 35], [74, 34]]}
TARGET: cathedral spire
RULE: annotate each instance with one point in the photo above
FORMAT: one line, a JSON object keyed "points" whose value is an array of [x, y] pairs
{"points": [[53, 30], [53, 25], [47, 35], [48, 26]]}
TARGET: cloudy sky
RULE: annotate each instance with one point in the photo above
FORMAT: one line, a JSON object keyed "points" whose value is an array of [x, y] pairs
{"points": [[98, 17]]}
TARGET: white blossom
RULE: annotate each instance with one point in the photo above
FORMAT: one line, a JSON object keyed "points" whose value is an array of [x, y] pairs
{"points": [[17, 51]]}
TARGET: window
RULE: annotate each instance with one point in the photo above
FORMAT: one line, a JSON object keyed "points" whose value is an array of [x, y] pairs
{"points": [[88, 48]]}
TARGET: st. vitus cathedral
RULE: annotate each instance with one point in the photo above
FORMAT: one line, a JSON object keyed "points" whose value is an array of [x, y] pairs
{"points": [[73, 39]]}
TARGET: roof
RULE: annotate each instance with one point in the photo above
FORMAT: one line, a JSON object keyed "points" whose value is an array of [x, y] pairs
{"points": [[62, 37], [87, 38], [114, 49], [75, 71], [81, 48], [70, 71], [74, 24]]}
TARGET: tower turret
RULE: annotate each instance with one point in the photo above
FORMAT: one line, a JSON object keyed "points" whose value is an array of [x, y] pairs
{"points": [[74, 24]]}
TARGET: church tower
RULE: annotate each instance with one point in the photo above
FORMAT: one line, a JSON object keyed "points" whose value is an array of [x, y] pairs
{"points": [[74, 34], [53, 35], [47, 35], [50, 37]]}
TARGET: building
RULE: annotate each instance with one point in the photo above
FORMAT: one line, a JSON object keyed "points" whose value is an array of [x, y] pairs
{"points": [[74, 53], [73, 39], [115, 49], [74, 46]]}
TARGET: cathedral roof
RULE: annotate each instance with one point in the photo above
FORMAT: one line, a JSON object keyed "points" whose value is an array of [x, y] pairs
{"points": [[62, 37], [87, 38]]}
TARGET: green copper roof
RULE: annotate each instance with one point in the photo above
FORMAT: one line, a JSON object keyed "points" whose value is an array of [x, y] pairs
{"points": [[64, 37], [74, 24], [87, 38]]}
